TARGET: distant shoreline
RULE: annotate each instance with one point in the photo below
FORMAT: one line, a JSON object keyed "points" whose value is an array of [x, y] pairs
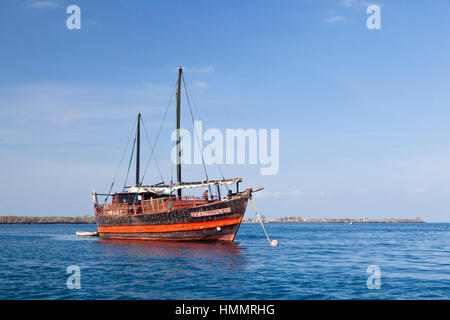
{"points": [[91, 220], [46, 220], [326, 220]]}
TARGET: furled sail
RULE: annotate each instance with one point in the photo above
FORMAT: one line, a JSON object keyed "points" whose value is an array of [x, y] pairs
{"points": [[161, 189]]}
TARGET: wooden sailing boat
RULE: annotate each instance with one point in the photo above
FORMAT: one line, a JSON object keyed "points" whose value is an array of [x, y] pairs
{"points": [[152, 212]]}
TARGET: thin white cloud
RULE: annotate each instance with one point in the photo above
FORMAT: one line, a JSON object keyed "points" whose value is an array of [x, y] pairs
{"points": [[335, 19], [416, 190], [200, 84], [41, 4], [66, 104], [292, 193], [354, 3], [347, 3], [204, 69]]}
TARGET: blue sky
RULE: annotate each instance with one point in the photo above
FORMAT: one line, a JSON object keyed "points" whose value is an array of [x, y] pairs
{"points": [[363, 114]]}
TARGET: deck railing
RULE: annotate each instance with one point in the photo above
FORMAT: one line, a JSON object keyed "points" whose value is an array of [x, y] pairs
{"points": [[115, 209], [155, 205], [151, 205]]}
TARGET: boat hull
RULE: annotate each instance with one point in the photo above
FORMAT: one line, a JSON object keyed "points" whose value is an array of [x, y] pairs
{"points": [[218, 221]]}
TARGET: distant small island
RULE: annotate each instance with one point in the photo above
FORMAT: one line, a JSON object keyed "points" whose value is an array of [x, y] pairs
{"points": [[332, 220], [46, 220]]}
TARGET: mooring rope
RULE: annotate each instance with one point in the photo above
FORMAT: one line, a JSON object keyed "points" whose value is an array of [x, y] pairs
{"points": [[260, 220]]}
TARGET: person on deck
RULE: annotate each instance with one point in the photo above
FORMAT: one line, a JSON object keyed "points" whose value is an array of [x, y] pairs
{"points": [[205, 194]]}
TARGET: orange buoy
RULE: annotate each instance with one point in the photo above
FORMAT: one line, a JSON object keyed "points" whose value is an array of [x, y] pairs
{"points": [[274, 243]]}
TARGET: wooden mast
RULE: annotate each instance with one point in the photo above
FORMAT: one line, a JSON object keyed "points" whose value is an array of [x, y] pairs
{"points": [[138, 147], [178, 130]]}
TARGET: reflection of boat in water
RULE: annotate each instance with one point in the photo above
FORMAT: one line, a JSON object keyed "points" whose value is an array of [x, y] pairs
{"points": [[224, 250], [160, 212]]}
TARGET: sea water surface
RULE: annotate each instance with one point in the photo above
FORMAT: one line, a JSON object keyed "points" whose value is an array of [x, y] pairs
{"points": [[313, 261]]}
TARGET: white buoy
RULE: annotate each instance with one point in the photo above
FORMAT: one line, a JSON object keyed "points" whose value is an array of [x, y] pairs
{"points": [[218, 228], [274, 243]]}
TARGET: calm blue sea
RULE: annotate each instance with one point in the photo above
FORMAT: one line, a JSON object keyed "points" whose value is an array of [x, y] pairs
{"points": [[313, 261]]}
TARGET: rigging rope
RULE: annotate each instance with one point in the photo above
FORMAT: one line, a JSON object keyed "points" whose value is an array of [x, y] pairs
{"points": [[198, 115], [154, 145], [195, 133], [129, 164], [159, 132], [120, 163], [150, 144]]}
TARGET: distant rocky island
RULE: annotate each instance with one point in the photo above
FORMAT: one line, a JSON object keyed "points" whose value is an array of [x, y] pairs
{"points": [[45, 220], [333, 220]]}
